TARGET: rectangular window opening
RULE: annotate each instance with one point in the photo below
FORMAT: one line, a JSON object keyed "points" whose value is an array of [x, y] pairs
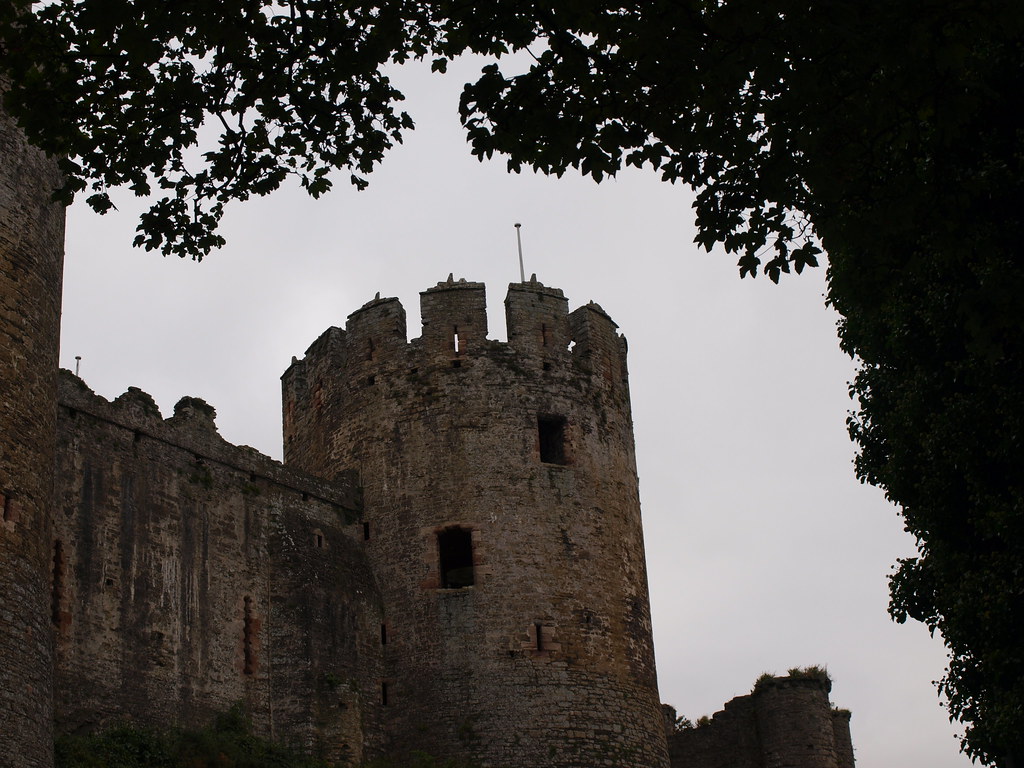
{"points": [[384, 694], [455, 548], [540, 636], [366, 531], [551, 434], [8, 507], [383, 634]]}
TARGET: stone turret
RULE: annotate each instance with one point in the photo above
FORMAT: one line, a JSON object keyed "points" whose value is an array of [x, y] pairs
{"points": [[31, 260], [501, 519], [786, 722]]}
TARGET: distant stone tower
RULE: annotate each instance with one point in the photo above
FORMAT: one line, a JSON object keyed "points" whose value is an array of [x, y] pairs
{"points": [[31, 260], [502, 522]]}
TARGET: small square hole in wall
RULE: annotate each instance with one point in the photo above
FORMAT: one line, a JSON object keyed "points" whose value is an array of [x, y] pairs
{"points": [[371, 380], [551, 436], [547, 366], [456, 363]]}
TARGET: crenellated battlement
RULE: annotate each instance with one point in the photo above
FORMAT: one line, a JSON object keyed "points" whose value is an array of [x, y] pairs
{"points": [[372, 355], [542, 335], [454, 317], [537, 318]]}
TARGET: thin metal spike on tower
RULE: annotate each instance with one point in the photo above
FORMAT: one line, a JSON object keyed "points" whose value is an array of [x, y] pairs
{"points": [[519, 242]]}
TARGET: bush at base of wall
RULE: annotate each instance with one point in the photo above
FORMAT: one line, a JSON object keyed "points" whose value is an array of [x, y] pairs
{"points": [[226, 743]]}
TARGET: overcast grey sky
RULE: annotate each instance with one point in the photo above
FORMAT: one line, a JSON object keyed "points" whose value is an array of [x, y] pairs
{"points": [[764, 552]]}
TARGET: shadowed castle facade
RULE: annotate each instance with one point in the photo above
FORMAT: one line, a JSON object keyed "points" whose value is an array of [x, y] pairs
{"points": [[449, 560]]}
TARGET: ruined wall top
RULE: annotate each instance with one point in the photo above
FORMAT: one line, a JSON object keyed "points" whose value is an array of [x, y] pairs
{"points": [[193, 428]]}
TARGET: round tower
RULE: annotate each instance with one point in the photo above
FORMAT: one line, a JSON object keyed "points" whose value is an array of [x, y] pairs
{"points": [[796, 724], [31, 258], [502, 521]]}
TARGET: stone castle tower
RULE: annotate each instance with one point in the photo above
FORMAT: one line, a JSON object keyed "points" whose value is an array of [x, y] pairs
{"points": [[501, 519], [31, 260]]}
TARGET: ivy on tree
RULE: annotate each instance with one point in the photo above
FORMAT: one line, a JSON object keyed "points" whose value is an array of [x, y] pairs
{"points": [[884, 133]]}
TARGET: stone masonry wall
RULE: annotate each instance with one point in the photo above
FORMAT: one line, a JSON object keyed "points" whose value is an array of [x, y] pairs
{"points": [[189, 574], [787, 722], [525, 449], [31, 260]]}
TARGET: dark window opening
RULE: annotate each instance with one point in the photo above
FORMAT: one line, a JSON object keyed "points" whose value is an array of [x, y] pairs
{"points": [[136, 436], [369, 349], [456, 363], [547, 366], [545, 335], [8, 507], [319, 540], [551, 432], [540, 636], [414, 370], [305, 496], [57, 588], [455, 547], [384, 694], [249, 638], [383, 634], [371, 380], [366, 531]]}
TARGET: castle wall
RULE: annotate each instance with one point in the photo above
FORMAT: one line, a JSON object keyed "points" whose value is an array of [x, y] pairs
{"points": [[31, 260], [526, 449], [189, 574], [787, 722]]}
